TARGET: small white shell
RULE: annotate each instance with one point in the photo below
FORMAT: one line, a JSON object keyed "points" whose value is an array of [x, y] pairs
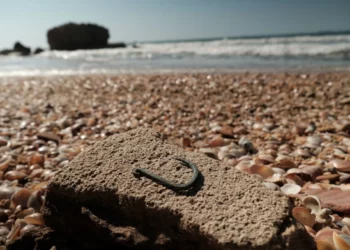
{"points": [[313, 203], [290, 189], [271, 186]]}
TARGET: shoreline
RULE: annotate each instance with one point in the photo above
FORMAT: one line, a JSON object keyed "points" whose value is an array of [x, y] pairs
{"points": [[180, 72]]}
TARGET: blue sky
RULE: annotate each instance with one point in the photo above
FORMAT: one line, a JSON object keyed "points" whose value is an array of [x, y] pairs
{"points": [[140, 20]]}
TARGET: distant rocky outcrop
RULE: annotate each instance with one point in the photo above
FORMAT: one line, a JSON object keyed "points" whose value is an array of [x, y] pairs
{"points": [[72, 36], [17, 48], [38, 51], [6, 52], [116, 45], [20, 48]]}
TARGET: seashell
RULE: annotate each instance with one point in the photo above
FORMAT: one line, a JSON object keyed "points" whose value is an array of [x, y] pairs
{"points": [[34, 219], [218, 141], [346, 220], [271, 152], [286, 152], [341, 241], [22, 168], [240, 130], [40, 186], [209, 152], [3, 141], [36, 173], [304, 216], [300, 129], [312, 171], [340, 165], [3, 215], [284, 164], [244, 166], [4, 163], [38, 143], [35, 166], [313, 203], [271, 186], [14, 175], [290, 189], [236, 152], [23, 213], [230, 162], [4, 231], [264, 159], [276, 178], [47, 174], [37, 159], [293, 179], [43, 149], [327, 186], [313, 141], [222, 154], [27, 228], [9, 223], [310, 185], [285, 147], [226, 131], [339, 153], [345, 230], [57, 160], [278, 171], [326, 234], [336, 218], [325, 245], [324, 216], [330, 177], [258, 126], [16, 228], [7, 192], [302, 153], [269, 126], [262, 170], [35, 201], [21, 197], [245, 158]]}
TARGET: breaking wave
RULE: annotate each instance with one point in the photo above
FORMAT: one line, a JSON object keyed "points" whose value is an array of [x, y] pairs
{"points": [[337, 47]]}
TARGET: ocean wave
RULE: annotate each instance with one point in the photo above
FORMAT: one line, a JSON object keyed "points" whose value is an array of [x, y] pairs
{"points": [[306, 46]]}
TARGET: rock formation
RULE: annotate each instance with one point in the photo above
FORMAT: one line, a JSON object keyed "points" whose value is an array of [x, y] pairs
{"points": [[20, 48], [97, 202], [72, 36], [17, 48], [38, 50], [116, 45]]}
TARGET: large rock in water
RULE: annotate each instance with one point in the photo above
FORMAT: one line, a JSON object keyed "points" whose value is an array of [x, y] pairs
{"points": [[97, 203], [72, 36]]}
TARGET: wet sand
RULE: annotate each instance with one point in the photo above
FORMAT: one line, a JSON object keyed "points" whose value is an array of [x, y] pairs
{"points": [[296, 126]]}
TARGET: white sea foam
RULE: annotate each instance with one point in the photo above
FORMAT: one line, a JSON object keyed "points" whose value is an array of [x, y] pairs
{"points": [[307, 46], [299, 52]]}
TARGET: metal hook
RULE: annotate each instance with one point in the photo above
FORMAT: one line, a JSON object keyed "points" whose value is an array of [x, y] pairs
{"points": [[165, 182]]}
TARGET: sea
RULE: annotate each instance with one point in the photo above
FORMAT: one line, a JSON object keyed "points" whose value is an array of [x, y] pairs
{"points": [[313, 52]]}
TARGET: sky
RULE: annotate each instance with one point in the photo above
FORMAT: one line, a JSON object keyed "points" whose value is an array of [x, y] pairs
{"points": [[145, 20]]}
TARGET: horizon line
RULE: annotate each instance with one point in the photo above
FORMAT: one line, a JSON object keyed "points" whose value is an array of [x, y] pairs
{"points": [[206, 39]]}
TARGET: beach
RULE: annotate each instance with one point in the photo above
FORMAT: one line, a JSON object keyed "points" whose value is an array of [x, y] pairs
{"points": [[298, 124]]}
